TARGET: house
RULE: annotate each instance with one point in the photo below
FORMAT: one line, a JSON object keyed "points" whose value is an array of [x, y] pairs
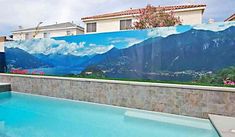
{"points": [[55, 30], [2, 40], [189, 14], [231, 18]]}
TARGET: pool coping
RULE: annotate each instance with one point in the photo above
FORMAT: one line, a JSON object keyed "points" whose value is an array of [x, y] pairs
{"points": [[225, 126], [165, 85]]}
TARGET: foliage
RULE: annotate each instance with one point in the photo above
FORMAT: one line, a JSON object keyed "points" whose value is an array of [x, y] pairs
{"points": [[225, 76], [92, 72], [151, 17]]}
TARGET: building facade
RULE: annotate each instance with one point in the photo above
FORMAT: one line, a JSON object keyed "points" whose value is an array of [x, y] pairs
{"points": [[188, 14], [2, 40], [231, 18], [55, 30]]}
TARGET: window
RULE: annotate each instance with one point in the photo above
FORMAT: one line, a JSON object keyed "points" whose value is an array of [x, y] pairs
{"points": [[68, 32], [46, 35], [91, 27], [125, 24]]}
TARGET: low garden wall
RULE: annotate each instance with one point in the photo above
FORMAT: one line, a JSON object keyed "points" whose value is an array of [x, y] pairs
{"points": [[188, 100]]}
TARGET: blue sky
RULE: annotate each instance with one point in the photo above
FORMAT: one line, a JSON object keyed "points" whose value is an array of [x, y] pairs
{"points": [[28, 13]]}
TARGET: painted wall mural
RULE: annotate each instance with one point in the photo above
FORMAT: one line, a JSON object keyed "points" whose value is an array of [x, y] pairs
{"points": [[181, 53], [2, 62]]}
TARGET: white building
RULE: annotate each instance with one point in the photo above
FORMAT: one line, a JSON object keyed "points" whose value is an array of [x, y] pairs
{"points": [[3, 39], [55, 30], [188, 14], [231, 18]]}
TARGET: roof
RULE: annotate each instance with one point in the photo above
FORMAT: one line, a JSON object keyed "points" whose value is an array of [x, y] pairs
{"points": [[230, 18], [5, 38], [137, 11], [54, 26]]}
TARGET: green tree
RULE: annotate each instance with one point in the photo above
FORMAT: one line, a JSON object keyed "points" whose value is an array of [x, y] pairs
{"points": [[219, 77]]}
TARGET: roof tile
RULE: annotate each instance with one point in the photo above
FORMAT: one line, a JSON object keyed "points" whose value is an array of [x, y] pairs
{"points": [[137, 11], [230, 18]]}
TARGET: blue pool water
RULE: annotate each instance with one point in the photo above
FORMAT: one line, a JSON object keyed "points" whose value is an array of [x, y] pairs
{"points": [[25, 115]]}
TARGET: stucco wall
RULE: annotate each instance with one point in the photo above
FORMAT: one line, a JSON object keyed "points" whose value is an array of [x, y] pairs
{"points": [[1, 47], [191, 17], [109, 25], [187, 100]]}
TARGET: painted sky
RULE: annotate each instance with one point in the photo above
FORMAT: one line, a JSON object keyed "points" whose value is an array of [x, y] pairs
{"points": [[28, 13]]}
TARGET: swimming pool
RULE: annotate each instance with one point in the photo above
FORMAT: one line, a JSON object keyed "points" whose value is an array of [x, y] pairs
{"points": [[26, 115]]}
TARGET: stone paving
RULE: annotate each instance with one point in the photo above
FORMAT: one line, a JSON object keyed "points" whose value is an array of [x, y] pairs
{"points": [[224, 125]]}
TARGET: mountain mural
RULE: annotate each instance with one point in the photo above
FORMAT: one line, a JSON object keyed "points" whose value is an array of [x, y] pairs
{"points": [[60, 60], [20, 59], [194, 50], [177, 53]]}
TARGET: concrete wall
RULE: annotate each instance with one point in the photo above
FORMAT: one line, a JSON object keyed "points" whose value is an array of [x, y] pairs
{"points": [[190, 17], [52, 33], [2, 40], [1, 47], [187, 100]]}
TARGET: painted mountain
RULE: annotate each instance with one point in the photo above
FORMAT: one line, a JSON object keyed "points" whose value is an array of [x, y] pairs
{"points": [[179, 53], [167, 58], [60, 60], [18, 58]]}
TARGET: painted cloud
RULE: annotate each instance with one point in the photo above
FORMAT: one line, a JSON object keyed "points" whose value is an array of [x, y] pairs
{"points": [[215, 26], [51, 46]]}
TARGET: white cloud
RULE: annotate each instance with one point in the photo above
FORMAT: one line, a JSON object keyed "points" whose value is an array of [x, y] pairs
{"points": [[162, 32], [51, 46], [215, 26]]}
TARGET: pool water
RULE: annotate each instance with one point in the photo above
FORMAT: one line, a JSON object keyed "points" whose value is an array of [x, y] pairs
{"points": [[26, 115]]}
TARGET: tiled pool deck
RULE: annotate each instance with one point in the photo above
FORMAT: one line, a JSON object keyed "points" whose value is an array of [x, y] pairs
{"points": [[225, 126]]}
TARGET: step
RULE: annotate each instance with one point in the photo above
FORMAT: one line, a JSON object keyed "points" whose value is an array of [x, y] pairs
{"points": [[5, 87], [224, 125]]}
